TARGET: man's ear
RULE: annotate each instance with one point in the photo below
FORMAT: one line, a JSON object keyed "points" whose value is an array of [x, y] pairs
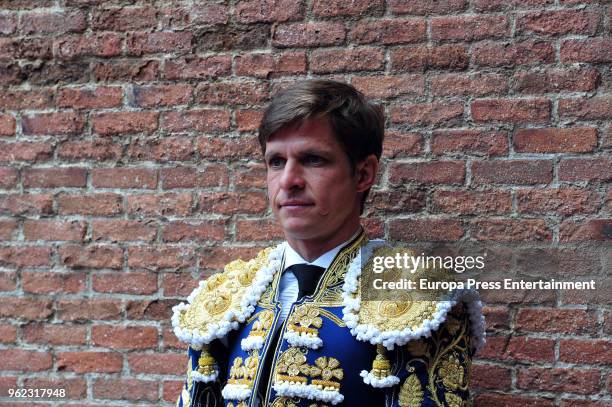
{"points": [[365, 172]]}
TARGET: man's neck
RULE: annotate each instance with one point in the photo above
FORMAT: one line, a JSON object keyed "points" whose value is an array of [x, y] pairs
{"points": [[311, 250]]}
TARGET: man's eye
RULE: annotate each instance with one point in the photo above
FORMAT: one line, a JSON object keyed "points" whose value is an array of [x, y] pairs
{"points": [[314, 160], [275, 162]]}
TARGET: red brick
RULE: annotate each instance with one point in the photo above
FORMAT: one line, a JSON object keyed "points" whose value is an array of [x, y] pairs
{"points": [[232, 37], [478, 84], [356, 59], [584, 403], [36, 22], [212, 175], [141, 337], [201, 231], [564, 201], [8, 177], [422, 58], [264, 65], [491, 377], [189, 16], [496, 317], [140, 70], [53, 123], [126, 389], [90, 98], [336, 8], [425, 114], [558, 22], [94, 256], [26, 308], [25, 151], [8, 23], [178, 284], [8, 334], [248, 120], [142, 178], [134, 283], [511, 110], [561, 321], [250, 175], [76, 388], [162, 95], [389, 31], [524, 348], [232, 202], [161, 150], [410, 201], [114, 123], [556, 80], [8, 229], [157, 204], [512, 172], [215, 258], [256, 11], [44, 229], [423, 7], [592, 351], [123, 18], [469, 28], [25, 256], [26, 204], [221, 93], [89, 362], [7, 125], [203, 120], [160, 257], [99, 45], [26, 99], [25, 360], [198, 67], [436, 172], [431, 230], [593, 50], [585, 169], [123, 230], [386, 87], [556, 140], [311, 34], [584, 231], [469, 141], [580, 381], [85, 310], [595, 108], [8, 281], [54, 177], [511, 230], [264, 230], [157, 42], [90, 204], [171, 364], [170, 389], [96, 149], [498, 54], [54, 334], [229, 148], [510, 400], [155, 310], [471, 202], [25, 48], [399, 144]]}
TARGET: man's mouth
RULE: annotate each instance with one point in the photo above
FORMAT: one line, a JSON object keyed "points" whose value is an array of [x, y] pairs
{"points": [[295, 203]]}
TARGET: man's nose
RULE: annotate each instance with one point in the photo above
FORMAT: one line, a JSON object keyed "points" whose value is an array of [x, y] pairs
{"points": [[292, 176]]}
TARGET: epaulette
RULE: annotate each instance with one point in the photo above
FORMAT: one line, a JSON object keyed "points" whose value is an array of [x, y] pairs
{"points": [[224, 300], [398, 321]]}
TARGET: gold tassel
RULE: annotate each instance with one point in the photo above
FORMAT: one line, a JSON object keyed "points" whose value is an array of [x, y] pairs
{"points": [[381, 366], [206, 363]]}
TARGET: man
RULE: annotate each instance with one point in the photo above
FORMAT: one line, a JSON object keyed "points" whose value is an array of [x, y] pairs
{"points": [[288, 328]]}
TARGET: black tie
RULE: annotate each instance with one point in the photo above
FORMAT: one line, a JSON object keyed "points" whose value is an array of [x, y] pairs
{"points": [[307, 276]]}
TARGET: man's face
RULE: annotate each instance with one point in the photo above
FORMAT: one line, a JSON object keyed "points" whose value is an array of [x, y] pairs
{"points": [[311, 188]]}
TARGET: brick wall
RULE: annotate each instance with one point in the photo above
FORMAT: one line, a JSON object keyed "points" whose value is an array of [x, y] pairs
{"points": [[129, 170]]}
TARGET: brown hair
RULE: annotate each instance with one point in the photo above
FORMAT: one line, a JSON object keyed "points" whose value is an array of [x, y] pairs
{"points": [[357, 124]]}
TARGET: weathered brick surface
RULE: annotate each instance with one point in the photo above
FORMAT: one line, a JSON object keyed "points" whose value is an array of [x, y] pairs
{"points": [[130, 170]]}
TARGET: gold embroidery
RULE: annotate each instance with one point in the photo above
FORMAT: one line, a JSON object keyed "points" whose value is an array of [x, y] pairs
{"points": [[381, 366], [327, 368], [453, 375], [305, 318], [222, 292], [206, 362], [243, 373], [290, 364], [263, 323], [283, 401], [411, 393]]}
